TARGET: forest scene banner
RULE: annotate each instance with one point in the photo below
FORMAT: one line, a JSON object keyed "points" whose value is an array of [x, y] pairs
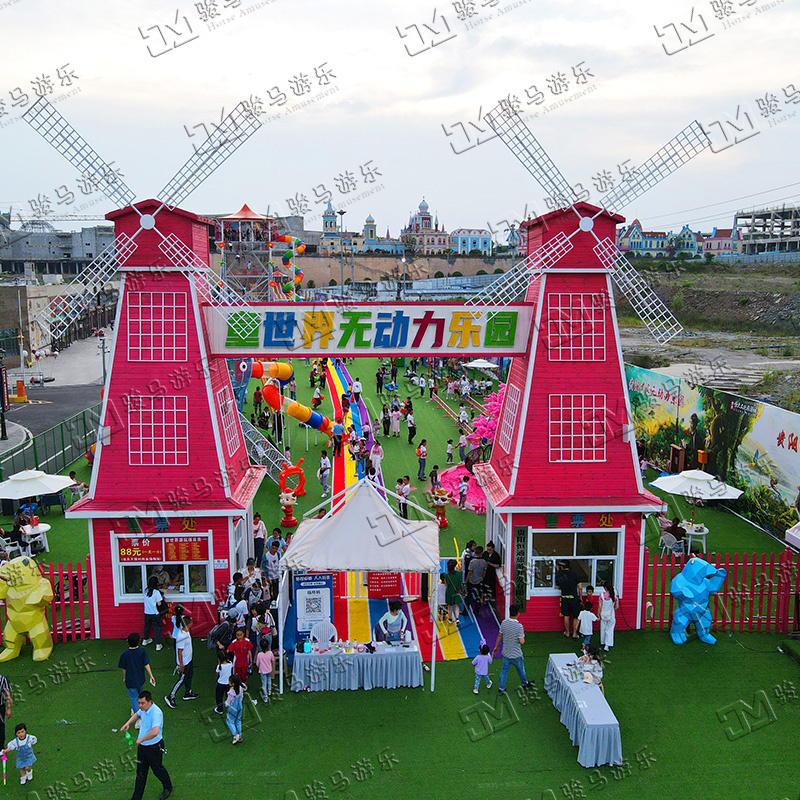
{"points": [[750, 444]]}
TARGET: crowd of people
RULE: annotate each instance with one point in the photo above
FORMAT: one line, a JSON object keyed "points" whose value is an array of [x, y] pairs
{"points": [[245, 638]]}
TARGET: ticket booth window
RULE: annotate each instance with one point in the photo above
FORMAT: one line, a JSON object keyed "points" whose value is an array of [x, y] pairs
{"points": [[182, 578], [592, 554], [180, 564]]}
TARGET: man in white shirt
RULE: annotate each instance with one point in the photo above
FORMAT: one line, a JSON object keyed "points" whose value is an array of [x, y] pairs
{"points": [[259, 535], [185, 664], [357, 389], [272, 564], [324, 472], [422, 384]]}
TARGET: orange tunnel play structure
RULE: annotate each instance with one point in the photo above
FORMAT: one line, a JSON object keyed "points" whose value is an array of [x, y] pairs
{"points": [[274, 375]]}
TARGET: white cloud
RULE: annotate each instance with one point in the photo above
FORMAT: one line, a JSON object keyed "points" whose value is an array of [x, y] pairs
{"points": [[390, 107]]}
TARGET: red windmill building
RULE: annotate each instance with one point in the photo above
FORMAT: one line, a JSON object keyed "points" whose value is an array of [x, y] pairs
{"points": [[172, 486], [563, 482]]}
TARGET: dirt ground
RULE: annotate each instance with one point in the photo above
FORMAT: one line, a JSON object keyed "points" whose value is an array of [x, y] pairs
{"points": [[763, 367]]}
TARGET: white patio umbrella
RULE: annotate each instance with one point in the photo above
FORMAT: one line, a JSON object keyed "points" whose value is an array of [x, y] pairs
{"points": [[481, 363], [32, 482], [696, 485]]}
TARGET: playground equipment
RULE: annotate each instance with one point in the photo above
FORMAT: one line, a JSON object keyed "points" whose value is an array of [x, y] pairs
{"points": [[274, 375], [289, 290], [289, 496]]}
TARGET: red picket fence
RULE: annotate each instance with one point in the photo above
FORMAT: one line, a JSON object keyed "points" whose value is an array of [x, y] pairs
{"points": [[70, 612], [760, 593]]}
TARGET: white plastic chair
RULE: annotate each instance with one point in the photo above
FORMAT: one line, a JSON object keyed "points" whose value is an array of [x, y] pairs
{"points": [[75, 493], [12, 548], [323, 632], [669, 542]]}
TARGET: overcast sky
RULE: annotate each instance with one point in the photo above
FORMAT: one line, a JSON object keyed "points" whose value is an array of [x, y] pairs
{"points": [[390, 108]]}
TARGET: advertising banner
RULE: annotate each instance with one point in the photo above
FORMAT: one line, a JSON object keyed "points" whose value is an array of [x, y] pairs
{"points": [[748, 444], [368, 329]]}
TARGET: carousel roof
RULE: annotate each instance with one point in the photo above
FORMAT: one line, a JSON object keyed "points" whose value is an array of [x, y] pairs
{"points": [[246, 213]]}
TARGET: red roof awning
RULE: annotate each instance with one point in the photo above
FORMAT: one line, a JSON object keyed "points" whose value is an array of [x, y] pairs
{"points": [[246, 213]]}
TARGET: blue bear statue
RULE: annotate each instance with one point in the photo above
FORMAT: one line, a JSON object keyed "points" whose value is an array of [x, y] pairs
{"points": [[692, 588]]}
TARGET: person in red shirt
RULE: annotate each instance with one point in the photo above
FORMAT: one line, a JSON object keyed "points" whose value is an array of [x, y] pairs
{"points": [[241, 648], [591, 599]]}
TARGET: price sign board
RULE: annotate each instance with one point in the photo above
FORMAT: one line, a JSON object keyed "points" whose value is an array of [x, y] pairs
{"points": [[185, 548], [140, 549]]}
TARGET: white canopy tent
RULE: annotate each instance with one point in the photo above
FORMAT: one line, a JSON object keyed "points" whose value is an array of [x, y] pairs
{"points": [[362, 533]]}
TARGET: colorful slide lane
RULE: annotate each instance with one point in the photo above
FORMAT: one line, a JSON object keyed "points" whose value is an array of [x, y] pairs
{"points": [[274, 375], [351, 617], [362, 615]]}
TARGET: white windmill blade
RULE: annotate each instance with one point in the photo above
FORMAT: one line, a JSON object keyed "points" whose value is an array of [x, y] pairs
{"points": [[55, 130], [215, 293], [516, 281], [645, 302], [226, 139], [519, 139], [81, 292], [681, 149]]}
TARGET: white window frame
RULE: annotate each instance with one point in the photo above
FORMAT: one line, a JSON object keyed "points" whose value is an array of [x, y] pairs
{"points": [[175, 418], [119, 581], [585, 338], [168, 326], [513, 397], [227, 412], [547, 591], [561, 430]]}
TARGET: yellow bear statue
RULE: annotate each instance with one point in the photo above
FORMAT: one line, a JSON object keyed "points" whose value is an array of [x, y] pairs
{"points": [[27, 594]]}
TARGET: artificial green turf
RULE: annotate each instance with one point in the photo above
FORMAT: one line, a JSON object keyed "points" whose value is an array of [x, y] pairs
{"points": [[666, 699], [792, 648], [69, 538]]}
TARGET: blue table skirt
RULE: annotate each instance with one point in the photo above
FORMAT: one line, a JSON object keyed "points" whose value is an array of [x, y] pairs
{"points": [[585, 713], [387, 670]]}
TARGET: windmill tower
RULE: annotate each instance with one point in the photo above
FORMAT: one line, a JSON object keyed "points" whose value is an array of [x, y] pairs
{"points": [[172, 486], [563, 481]]}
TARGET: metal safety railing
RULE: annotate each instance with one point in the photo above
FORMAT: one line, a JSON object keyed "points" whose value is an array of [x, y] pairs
{"points": [[55, 449]]}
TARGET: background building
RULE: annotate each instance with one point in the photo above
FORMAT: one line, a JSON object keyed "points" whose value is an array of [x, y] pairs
{"points": [[464, 240], [659, 244], [769, 230], [368, 241], [423, 233], [51, 251], [723, 242]]}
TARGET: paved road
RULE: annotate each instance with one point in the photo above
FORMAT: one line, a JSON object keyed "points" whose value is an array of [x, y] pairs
{"points": [[58, 403]]}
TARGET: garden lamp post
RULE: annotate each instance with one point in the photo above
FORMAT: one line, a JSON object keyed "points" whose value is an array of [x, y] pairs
{"points": [[341, 247]]}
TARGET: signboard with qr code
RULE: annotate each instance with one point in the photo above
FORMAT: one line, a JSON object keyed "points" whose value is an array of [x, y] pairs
{"points": [[313, 600]]}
